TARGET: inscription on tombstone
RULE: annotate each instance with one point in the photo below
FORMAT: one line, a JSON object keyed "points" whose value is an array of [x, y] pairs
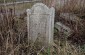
{"points": [[40, 23]]}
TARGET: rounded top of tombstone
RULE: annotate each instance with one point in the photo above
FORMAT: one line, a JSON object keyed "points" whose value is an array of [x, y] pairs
{"points": [[40, 8], [40, 4]]}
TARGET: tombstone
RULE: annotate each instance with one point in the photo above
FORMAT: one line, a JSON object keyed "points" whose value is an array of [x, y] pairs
{"points": [[63, 28], [40, 23]]}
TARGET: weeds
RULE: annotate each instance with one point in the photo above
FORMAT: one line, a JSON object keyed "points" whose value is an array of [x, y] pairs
{"points": [[14, 40]]}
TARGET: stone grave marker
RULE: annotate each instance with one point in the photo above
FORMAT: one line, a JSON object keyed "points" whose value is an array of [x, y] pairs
{"points": [[40, 23], [63, 28]]}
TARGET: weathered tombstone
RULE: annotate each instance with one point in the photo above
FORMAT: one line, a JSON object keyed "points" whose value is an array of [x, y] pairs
{"points": [[40, 22], [63, 28]]}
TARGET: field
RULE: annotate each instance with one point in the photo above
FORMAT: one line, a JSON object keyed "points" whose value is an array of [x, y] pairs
{"points": [[2, 1], [14, 39]]}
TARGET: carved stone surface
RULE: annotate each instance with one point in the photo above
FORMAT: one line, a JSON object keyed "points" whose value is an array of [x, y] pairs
{"points": [[40, 23], [63, 28]]}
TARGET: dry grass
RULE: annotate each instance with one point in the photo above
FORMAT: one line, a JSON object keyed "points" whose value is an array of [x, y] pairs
{"points": [[14, 40]]}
